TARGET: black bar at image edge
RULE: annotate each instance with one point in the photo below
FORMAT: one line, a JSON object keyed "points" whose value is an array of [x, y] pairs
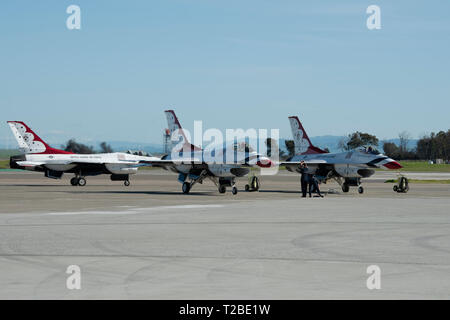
{"points": [[226, 309]]}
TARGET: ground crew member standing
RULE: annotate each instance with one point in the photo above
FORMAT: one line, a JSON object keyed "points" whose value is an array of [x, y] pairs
{"points": [[304, 178]]}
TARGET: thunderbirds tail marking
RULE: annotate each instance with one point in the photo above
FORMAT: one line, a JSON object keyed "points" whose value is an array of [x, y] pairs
{"points": [[175, 125], [301, 140], [30, 142]]}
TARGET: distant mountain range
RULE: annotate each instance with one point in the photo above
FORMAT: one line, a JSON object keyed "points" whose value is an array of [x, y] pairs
{"points": [[330, 142]]}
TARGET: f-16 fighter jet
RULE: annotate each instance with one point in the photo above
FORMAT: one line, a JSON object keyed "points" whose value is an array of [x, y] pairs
{"points": [[347, 168], [194, 164], [39, 156]]}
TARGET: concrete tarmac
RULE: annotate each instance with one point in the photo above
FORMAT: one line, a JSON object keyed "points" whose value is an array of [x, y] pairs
{"points": [[149, 241]]}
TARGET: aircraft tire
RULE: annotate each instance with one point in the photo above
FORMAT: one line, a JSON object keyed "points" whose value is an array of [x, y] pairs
{"points": [[186, 187], [222, 189], [234, 190], [126, 183], [345, 187], [74, 181], [81, 182], [361, 190], [247, 188]]}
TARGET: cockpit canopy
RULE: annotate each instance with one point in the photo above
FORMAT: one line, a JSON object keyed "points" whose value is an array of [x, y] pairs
{"points": [[369, 150]]}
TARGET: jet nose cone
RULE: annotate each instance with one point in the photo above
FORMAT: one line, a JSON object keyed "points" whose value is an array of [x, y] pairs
{"points": [[393, 165], [264, 162]]}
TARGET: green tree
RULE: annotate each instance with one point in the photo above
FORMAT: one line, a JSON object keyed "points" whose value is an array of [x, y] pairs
{"points": [[434, 146], [391, 150], [290, 146], [273, 145], [359, 139]]}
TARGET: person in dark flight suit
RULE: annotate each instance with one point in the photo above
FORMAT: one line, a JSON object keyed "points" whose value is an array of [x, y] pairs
{"points": [[304, 178]]}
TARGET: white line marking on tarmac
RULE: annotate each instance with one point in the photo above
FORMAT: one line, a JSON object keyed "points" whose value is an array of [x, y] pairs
{"points": [[137, 210]]}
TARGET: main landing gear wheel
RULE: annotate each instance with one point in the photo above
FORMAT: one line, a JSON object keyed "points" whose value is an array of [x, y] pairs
{"points": [[81, 182], [361, 190], [126, 183], [74, 181], [186, 187], [345, 187], [247, 187], [222, 189], [234, 190]]}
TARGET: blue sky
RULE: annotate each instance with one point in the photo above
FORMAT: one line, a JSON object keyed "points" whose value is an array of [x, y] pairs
{"points": [[229, 63]]}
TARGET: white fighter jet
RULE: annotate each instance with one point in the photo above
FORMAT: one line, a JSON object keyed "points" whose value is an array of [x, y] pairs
{"points": [[39, 156], [347, 168], [219, 164]]}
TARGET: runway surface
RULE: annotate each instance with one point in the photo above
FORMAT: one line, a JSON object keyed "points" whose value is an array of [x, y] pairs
{"points": [[149, 241]]}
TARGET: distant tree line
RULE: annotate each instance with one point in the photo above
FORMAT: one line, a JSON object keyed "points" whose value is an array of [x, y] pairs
{"points": [[77, 147], [434, 146], [429, 147]]}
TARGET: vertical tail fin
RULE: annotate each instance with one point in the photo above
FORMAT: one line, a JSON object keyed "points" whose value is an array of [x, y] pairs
{"points": [[30, 142], [174, 125], [301, 140], [20, 136]]}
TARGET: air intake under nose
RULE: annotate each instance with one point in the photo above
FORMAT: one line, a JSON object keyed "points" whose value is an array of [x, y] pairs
{"points": [[239, 172], [365, 173]]}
